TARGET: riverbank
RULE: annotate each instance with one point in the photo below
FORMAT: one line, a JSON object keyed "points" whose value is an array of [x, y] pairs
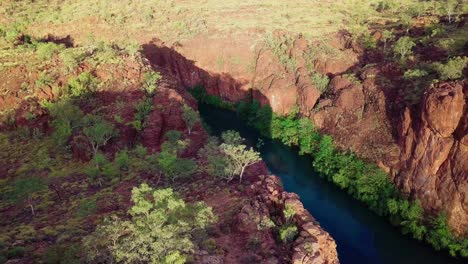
{"points": [[363, 181], [361, 235]]}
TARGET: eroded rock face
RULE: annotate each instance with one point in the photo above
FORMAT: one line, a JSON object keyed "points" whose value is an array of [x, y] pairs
{"points": [[313, 245], [425, 151], [434, 157]]}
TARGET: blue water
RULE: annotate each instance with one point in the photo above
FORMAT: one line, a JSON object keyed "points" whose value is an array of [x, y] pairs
{"points": [[361, 236]]}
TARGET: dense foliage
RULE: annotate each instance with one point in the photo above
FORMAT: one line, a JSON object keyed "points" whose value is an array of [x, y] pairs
{"points": [[364, 181], [230, 158], [159, 230]]}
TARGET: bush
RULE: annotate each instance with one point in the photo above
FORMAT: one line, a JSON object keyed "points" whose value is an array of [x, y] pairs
{"points": [[453, 69], [173, 167], [16, 252], [232, 137], [404, 47], [320, 81], [215, 161], [190, 116], [45, 51], [415, 74], [24, 189], [67, 117], [44, 80], [159, 231], [98, 132], [287, 233], [150, 82], [367, 40], [82, 85], [62, 254], [143, 109], [71, 58], [86, 207]]}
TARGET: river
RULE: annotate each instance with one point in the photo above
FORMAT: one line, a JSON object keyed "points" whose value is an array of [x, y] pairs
{"points": [[361, 236]]}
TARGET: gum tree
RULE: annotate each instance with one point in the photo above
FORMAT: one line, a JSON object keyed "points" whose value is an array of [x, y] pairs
{"points": [[190, 116], [98, 132], [404, 47], [23, 190], [158, 231], [239, 158]]}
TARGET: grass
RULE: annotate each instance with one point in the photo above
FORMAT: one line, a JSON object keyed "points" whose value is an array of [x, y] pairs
{"points": [[175, 20]]}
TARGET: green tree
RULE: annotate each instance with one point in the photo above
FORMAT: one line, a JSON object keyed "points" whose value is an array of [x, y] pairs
{"points": [[232, 137], [387, 36], [404, 47], [440, 236], [143, 110], [45, 51], [453, 69], [24, 189], [159, 230], [214, 160], [67, 117], [98, 132], [82, 85], [239, 158], [190, 116], [450, 8], [150, 82], [413, 214], [171, 165]]}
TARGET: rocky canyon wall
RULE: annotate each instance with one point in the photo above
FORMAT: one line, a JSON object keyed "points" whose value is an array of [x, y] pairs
{"points": [[422, 147]]}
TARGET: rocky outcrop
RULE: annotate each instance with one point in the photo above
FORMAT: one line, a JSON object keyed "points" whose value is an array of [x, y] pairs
{"points": [[434, 156], [313, 244], [424, 152]]}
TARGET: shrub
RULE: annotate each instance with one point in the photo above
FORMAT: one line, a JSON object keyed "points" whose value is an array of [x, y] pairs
{"points": [[453, 69], [86, 207], [101, 170], [105, 53], [159, 230], [98, 132], [44, 80], [320, 81], [13, 34], [215, 161], [150, 82], [67, 117], [279, 46], [367, 40], [232, 137], [82, 85], [71, 58], [132, 49], [404, 47], [16, 252], [173, 167], [289, 212], [412, 74], [45, 51], [143, 109], [386, 37], [190, 116], [24, 189], [287, 233], [62, 254]]}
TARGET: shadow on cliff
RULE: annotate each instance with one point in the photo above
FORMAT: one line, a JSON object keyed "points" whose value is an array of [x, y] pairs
{"points": [[190, 76]]}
